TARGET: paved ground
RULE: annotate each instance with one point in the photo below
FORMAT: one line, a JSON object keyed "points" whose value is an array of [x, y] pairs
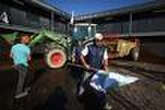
{"points": [[146, 94]]}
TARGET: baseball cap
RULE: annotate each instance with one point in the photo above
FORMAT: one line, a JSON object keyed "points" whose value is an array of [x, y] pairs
{"points": [[98, 36]]}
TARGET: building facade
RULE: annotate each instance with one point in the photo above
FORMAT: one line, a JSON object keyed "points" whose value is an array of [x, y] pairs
{"points": [[31, 16], [140, 20]]}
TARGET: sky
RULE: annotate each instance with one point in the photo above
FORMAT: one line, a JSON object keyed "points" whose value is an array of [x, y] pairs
{"points": [[90, 6]]}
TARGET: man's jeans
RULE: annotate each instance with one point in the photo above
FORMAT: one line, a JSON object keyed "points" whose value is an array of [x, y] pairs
{"points": [[22, 73]]}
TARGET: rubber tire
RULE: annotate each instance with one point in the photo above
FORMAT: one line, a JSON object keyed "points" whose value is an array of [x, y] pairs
{"points": [[135, 54], [49, 55]]}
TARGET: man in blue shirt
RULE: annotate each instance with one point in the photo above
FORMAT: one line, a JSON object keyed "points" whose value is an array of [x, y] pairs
{"points": [[20, 54]]}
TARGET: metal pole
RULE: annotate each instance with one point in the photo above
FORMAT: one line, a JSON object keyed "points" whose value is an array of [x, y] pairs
{"points": [[130, 23], [90, 30], [52, 20]]}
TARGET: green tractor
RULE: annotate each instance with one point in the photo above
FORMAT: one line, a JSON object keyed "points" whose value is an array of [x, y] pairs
{"points": [[56, 47]]}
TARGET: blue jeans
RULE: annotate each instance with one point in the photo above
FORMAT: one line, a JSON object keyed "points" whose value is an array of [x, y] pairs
{"points": [[105, 82], [22, 73]]}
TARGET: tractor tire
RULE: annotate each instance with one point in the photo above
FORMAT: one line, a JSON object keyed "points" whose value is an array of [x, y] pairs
{"points": [[56, 58], [135, 54]]}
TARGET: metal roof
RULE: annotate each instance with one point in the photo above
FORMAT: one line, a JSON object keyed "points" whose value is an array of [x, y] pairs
{"points": [[42, 5], [133, 9], [84, 24], [50, 8], [19, 28]]}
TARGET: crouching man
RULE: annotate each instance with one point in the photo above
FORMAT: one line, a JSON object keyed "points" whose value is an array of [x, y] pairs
{"points": [[20, 53]]}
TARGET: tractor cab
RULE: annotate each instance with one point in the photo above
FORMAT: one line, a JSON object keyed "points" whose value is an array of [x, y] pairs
{"points": [[83, 31]]}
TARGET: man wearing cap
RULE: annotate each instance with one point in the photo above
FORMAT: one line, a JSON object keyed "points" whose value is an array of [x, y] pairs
{"points": [[93, 56]]}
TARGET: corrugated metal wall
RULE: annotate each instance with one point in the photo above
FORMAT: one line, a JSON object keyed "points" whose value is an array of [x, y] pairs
{"points": [[154, 23], [117, 27], [151, 24], [17, 17], [29, 17]]}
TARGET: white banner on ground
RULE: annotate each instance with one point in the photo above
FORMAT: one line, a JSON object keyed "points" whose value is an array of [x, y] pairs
{"points": [[101, 80]]}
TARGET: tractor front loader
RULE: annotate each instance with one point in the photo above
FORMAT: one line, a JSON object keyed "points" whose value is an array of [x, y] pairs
{"points": [[55, 47]]}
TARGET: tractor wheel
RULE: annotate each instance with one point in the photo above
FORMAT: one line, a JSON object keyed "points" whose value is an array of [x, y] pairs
{"points": [[56, 58], [135, 54]]}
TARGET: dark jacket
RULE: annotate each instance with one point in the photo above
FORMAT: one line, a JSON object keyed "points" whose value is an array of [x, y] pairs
{"points": [[95, 56]]}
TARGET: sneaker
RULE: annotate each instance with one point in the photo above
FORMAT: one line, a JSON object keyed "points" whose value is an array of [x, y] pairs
{"points": [[81, 91], [108, 107], [23, 94]]}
